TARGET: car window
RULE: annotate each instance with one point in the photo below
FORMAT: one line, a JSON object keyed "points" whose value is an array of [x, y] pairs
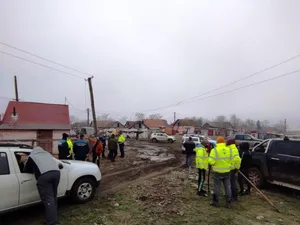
{"points": [[287, 148], [247, 138], [239, 137], [261, 147], [4, 168], [21, 158]]}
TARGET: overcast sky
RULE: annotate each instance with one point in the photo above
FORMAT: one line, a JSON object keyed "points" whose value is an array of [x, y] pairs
{"points": [[150, 54]]}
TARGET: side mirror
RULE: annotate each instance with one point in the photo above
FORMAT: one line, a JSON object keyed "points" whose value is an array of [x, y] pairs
{"points": [[60, 166]]}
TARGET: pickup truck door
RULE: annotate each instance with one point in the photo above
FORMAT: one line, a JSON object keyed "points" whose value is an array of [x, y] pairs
{"points": [[289, 156], [278, 163], [9, 184], [28, 189]]}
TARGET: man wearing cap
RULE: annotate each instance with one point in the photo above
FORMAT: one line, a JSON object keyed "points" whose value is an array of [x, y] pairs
{"points": [[46, 171], [236, 164], [220, 159], [65, 147], [202, 166]]}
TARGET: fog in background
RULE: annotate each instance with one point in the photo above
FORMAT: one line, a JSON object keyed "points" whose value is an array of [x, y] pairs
{"points": [[151, 54]]}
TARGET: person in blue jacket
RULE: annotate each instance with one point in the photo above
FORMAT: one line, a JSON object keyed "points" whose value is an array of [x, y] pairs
{"points": [[81, 148]]}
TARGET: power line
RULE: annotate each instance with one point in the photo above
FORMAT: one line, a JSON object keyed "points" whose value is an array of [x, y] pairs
{"points": [[233, 82], [243, 78], [49, 67], [40, 57], [246, 86]]}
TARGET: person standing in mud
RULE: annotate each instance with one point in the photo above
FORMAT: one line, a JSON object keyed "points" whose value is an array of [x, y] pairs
{"points": [[112, 147], [189, 150]]}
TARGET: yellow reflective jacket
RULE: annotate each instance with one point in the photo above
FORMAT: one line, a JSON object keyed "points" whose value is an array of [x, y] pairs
{"points": [[201, 158], [121, 138], [70, 144], [236, 159], [220, 158]]}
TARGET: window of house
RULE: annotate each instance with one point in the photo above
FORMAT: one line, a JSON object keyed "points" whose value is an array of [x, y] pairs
{"points": [[4, 167]]}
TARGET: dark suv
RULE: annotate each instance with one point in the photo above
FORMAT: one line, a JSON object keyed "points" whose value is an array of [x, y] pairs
{"points": [[276, 161]]}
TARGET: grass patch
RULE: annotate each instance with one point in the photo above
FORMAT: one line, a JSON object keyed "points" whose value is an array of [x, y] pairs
{"points": [[171, 200]]}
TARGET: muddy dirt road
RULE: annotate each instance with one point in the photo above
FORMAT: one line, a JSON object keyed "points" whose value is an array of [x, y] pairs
{"points": [[142, 159]]}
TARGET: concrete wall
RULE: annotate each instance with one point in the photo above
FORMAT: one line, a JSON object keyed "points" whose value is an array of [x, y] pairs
{"points": [[20, 135]]}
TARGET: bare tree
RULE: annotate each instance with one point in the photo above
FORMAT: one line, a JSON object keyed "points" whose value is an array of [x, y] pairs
{"points": [[235, 121], [140, 116], [156, 116], [250, 124], [220, 119], [104, 116]]}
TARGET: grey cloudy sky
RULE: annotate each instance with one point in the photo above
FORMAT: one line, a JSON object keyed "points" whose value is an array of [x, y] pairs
{"points": [[150, 54]]}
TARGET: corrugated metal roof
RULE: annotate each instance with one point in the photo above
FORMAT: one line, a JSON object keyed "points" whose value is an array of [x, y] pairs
{"points": [[33, 115]]}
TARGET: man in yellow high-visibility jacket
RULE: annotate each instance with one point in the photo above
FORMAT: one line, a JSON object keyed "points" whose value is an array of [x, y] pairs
{"points": [[202, 166], [236, 164], [121, 141], [220, 159]]}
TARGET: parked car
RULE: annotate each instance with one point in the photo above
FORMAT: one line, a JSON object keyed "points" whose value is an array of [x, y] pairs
{"points": [[196, 140], [162, 137], [78, 179], [239, 138], [276, 161]]}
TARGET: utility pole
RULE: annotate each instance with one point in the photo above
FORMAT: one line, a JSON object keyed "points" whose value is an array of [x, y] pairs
{"points": [[174, 117], [93, 105], [16, 89], [284, 127], [88, 116]]}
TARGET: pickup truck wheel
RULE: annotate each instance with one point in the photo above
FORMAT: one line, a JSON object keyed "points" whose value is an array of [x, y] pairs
{"points": [[83, 190], [256, 177], [154, 140]]}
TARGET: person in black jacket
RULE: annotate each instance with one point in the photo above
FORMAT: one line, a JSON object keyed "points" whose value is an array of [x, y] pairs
{"points": [[46, 171], [246, 157], [189, 150], [112, 147], [63, 147]]}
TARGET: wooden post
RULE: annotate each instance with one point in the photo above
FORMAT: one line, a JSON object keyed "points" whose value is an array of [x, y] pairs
{"points": [[93, 105], [16, 89], [88, 117]]}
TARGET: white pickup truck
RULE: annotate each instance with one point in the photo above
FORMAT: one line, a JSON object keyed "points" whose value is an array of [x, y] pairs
{"points": [[78, 180]]}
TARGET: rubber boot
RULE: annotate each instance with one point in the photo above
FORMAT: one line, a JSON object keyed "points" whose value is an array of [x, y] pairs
{"points": [[214, 202]]}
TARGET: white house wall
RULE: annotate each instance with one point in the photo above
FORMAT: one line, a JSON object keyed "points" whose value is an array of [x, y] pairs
{"points": [[18, 135]]}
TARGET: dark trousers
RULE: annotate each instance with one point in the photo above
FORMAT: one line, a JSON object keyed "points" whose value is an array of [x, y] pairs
{"points": [[220, 178], [103, 153], [233, 180], [96, 159], [201, 179], [112, 154], [47, 185], [189, 160], [121, 147], [242, 182]]}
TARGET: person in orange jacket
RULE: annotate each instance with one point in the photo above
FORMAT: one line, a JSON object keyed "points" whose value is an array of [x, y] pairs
{"points": [[96, 149]]}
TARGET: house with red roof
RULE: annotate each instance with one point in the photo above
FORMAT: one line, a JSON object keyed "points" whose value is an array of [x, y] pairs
{"points": [[31, 121]]}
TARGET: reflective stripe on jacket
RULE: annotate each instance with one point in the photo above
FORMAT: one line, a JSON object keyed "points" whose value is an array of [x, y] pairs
{"points": [[220, 158], [236, 160], [121, 138], [201, 158]]}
